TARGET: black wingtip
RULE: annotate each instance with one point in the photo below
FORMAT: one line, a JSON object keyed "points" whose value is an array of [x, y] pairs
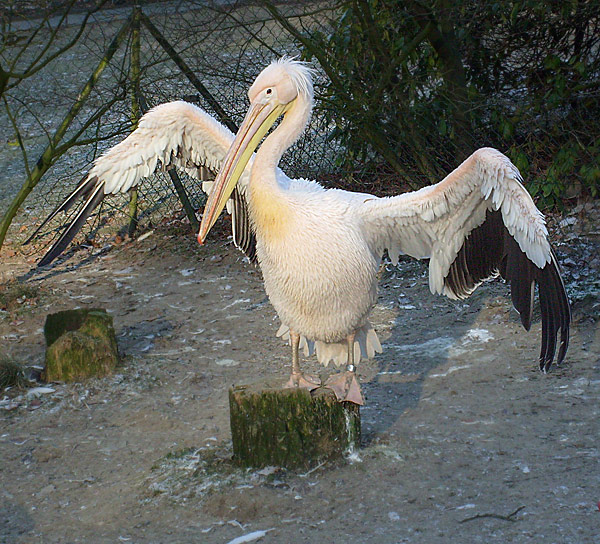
{"points": [[74, 227], [526, 320], [564, 345], [556, 314], [84, 188]]}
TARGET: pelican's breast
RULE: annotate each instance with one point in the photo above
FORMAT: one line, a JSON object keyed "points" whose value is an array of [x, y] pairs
{"points": [[319, 273]]}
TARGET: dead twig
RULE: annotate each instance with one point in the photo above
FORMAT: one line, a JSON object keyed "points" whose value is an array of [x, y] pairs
{"points": [[509, 517]]}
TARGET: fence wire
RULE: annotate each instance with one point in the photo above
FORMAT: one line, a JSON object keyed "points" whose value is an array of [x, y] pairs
{"points": [[226, 44]]}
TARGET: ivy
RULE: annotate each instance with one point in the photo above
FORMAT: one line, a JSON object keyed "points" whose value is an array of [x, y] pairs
{"points": [[418, 86]]}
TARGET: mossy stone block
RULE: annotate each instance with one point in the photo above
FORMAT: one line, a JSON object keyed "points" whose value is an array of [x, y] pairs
{"points": [[70, 320], [80, 344], [291, 428]]}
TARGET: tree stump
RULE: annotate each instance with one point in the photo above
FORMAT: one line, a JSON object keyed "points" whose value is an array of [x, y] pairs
{"points": [[291, 428], [80, 344]]}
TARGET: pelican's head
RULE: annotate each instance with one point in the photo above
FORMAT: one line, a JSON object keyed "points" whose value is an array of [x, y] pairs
{"points": [[274, 92], [282, 82]]}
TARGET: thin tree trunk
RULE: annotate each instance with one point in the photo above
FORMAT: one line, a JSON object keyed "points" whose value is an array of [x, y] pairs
{"points": [[183, 198], [134, 76], [46, 159], [442, 38]]}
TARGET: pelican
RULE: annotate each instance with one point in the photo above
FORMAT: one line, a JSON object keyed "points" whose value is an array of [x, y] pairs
{"points": [[320, 249]]}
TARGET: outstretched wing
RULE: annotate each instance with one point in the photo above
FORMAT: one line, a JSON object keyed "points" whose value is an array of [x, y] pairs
{"points": [[175, 133], [477, 222]]}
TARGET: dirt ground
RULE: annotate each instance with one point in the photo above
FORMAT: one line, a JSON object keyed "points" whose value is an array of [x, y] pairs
{"points": [[464, 440]]}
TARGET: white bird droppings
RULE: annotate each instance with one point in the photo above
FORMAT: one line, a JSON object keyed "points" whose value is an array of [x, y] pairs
{"points": [[37, 391], [478, 335], [226, 362], [249, 537]]}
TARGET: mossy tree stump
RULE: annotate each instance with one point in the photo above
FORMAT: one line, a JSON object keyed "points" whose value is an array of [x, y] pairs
{"points": [[291, 428], [80, 344]]}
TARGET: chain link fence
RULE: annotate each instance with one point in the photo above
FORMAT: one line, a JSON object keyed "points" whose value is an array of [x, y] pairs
{"points": [[225, 44]]}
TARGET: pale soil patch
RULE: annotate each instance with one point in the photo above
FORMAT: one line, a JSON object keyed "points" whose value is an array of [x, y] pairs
{"points": [[460, 428]]}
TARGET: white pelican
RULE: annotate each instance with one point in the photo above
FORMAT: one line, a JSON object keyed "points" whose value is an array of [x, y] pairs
{"points": [[320, 249]]}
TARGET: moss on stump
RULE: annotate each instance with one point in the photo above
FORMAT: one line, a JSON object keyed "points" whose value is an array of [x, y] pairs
{"points": [[80, 344], [291, 428]]}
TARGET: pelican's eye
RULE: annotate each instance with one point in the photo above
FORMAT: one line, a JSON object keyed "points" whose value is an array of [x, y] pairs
{"points": [[269, 91]]}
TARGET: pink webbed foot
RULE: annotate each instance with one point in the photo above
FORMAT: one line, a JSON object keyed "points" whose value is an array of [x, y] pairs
{"points": [[303, 381], [346, 387]]}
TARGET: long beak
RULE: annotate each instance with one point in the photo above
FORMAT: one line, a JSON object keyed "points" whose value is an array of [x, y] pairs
{"points": [[259, 119]]}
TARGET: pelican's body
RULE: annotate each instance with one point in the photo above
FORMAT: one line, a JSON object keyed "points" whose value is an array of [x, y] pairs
{"points": [[320, 249], [320, 272]]}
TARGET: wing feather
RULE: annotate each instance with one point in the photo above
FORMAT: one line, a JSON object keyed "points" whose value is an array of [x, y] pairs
{"points": [[71, 230], [243, 235], [477, 222], [83, 190], [175, 133]]}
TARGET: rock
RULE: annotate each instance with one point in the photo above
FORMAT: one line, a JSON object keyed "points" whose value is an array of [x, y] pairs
{"points": [[80, 344], [291, 428]]}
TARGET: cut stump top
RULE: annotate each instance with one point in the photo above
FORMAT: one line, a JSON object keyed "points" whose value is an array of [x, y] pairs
{"points": [[291, 428]]}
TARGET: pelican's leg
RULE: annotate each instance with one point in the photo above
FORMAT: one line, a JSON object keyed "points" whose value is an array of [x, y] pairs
{"points": [[297, 379], [345, 385]]}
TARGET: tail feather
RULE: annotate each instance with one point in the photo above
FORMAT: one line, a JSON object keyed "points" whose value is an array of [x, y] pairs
{"points": [[366, 345]]}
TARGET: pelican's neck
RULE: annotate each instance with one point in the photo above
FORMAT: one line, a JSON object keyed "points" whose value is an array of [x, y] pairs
{"points": [[269, 207], [264, 169]]}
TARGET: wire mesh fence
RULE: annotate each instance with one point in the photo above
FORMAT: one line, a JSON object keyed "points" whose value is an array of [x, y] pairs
{"points": [[226, 44]]}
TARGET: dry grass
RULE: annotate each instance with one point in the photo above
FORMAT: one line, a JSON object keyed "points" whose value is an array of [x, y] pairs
{"points": [[11, 374], [14, 294]]}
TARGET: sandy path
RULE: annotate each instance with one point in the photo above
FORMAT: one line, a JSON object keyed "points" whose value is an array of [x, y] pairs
{"points": [[461, 430]]}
